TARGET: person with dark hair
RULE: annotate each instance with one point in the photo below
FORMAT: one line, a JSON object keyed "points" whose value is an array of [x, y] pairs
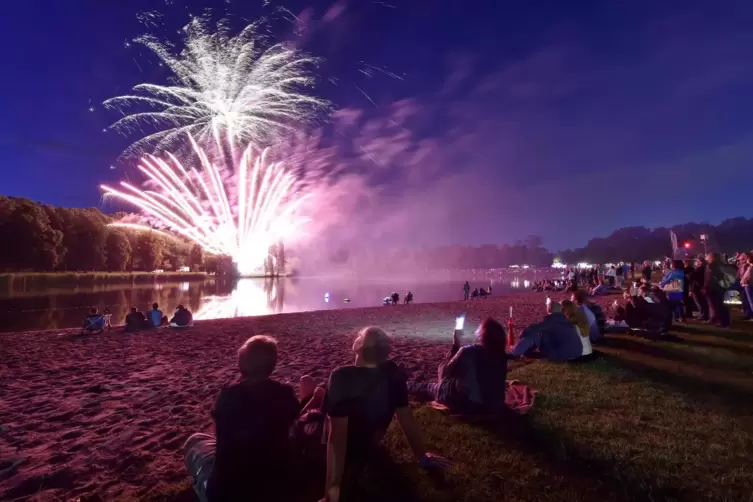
{"points": [[696, 280], [253, 416], [135, 321], [673, 285], [687, 303], [714, 289], [471, 376], [155, 316], [409, 298], [182, 317], [646, 272], [361, 400], [643, 312], [466, 291]]}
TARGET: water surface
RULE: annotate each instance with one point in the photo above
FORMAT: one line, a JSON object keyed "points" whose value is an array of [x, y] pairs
{"points": [[216, 299]]}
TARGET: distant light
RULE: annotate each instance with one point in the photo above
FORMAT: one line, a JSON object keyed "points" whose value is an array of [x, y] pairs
{"points": [[687, 245], [112, 167], [91, 108]]}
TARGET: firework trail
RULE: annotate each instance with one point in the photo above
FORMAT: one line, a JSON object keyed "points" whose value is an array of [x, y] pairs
{"points": [[225, 90], [241, 216]]}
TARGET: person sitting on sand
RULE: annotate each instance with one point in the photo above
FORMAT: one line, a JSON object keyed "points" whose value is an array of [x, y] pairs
{"points": [[555, 337], [156, 317], [395, 298], [253, 416], [482, 293], [474, 295], [361, 401], [182, 317], [594, 314], [409, 298], [136, 321], [470, 376], [578, 319]]}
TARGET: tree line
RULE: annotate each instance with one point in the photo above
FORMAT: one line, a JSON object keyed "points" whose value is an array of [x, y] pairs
{"points": [[44, 238]]}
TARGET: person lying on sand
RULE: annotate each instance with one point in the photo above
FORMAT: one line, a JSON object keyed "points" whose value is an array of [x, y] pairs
{"points": [[253, 415], [361, 401], [555, 337], [470, 376], [182, 317]]}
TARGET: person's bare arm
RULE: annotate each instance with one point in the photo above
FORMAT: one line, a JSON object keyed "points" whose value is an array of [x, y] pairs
{"points": [[337, 445], [412, 431]]}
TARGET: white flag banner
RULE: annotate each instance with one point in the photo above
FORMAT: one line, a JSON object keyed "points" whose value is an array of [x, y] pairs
{"points": [[673, 236]]}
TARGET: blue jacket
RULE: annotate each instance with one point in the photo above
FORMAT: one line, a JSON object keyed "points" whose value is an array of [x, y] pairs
{"points": [[674, 275], [556, 338]]}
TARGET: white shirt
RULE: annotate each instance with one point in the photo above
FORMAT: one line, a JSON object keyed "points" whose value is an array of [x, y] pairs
{"points": [[592, 325], [587, 349]]}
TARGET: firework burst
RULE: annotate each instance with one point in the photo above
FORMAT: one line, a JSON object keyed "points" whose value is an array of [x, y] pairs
{"points": [[241, 216], [225, 91]]}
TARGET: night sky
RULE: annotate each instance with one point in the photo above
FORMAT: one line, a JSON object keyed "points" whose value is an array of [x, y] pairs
{"points": [[563, 119]]}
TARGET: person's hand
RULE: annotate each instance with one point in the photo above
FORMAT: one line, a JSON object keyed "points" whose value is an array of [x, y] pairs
{"points": [[333, 494], [432, 461], [457, 337]]}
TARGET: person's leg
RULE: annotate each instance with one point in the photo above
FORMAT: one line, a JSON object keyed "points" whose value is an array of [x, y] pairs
{"points": [[749, 296], [424, 392], [200, 450]]}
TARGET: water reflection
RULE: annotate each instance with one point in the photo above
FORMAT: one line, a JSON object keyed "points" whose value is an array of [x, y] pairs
{"points": [[515, 283], [250, 297]]}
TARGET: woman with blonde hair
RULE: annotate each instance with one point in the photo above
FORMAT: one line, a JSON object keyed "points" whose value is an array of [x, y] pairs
{"points": [[578, 319]]}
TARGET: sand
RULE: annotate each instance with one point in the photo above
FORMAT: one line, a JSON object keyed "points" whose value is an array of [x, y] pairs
{"points": [[106, 415]]}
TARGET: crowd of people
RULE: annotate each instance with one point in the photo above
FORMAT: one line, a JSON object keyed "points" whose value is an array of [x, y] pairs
{"points": [[137, 320], [476, 293]]}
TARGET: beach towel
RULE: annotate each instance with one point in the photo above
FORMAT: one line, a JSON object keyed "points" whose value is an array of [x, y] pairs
{"points": [[519, 398]]}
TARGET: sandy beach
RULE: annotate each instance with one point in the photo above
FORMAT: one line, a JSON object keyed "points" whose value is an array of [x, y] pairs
{"points": [[105, 416]]}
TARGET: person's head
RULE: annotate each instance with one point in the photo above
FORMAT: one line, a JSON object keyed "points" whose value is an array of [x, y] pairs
{"points": [[492, 336], [576, 317], [93, 311], [372, 347], [644, 290], [180, 307], [257, 357], [713, 258], [134, 310], [677, 265], [580, 297], [553, 308]]}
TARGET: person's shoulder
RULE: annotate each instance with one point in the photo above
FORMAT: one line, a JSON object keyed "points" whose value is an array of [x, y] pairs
{"points": [[343, 374]]}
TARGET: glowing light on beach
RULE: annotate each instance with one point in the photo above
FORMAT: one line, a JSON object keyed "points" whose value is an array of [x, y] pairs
{"points": [[241, 216], [226, 90]]}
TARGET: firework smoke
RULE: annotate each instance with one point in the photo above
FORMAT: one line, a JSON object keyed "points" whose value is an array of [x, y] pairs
{"points": [[241, 216], [226, 91]]}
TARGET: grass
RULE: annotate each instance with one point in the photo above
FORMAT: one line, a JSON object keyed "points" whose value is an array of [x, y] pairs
{"points": [[649, 421]]}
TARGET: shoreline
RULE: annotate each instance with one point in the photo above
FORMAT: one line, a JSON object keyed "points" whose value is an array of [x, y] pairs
{"points": [[107, 414]]}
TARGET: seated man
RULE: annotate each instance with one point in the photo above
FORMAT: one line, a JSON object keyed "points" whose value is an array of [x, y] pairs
{"points": [[470, 376], [182, 317], [555, 337], [253, 416], [596, 323], [361, 401], [135, 321], [599, 289], [645, 312], [155, 316]]}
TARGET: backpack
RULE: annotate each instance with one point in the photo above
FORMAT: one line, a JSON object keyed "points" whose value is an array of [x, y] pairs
{"points": [[728, 276]]}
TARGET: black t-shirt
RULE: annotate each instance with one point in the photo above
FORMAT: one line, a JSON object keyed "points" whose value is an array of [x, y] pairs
{"points": [[252, 422], [368, 397]]}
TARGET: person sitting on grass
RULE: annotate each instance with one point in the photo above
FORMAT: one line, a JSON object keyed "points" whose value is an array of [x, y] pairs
{"points": [[555, 337], [599, 289], [136, 321], [594, 314], [578, 319], [643, 312], [361, 400], [470, 376], [182, 317], [156, 317], [253, 416]]}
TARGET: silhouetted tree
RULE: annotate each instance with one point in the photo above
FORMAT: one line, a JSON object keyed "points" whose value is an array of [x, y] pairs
{"points": [[118, 249]]}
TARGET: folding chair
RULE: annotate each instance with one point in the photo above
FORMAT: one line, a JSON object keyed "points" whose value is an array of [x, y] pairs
{"points": [[92, 324]]}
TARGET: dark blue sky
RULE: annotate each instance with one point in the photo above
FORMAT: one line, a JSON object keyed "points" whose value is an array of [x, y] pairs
{"points": [[564, 119]]}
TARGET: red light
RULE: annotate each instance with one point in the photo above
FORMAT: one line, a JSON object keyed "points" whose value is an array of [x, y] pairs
{"points": [[687, 244]]}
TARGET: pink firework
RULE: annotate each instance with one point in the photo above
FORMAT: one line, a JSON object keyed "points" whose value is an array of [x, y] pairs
{"points": [[240, 216]]}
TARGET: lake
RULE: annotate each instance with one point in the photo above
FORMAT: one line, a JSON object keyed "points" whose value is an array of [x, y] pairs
{"points": [[217, 299]]}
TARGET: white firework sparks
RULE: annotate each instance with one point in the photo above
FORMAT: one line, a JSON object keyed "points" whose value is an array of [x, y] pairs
{"points": [[225, 90], [242, 216]]}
